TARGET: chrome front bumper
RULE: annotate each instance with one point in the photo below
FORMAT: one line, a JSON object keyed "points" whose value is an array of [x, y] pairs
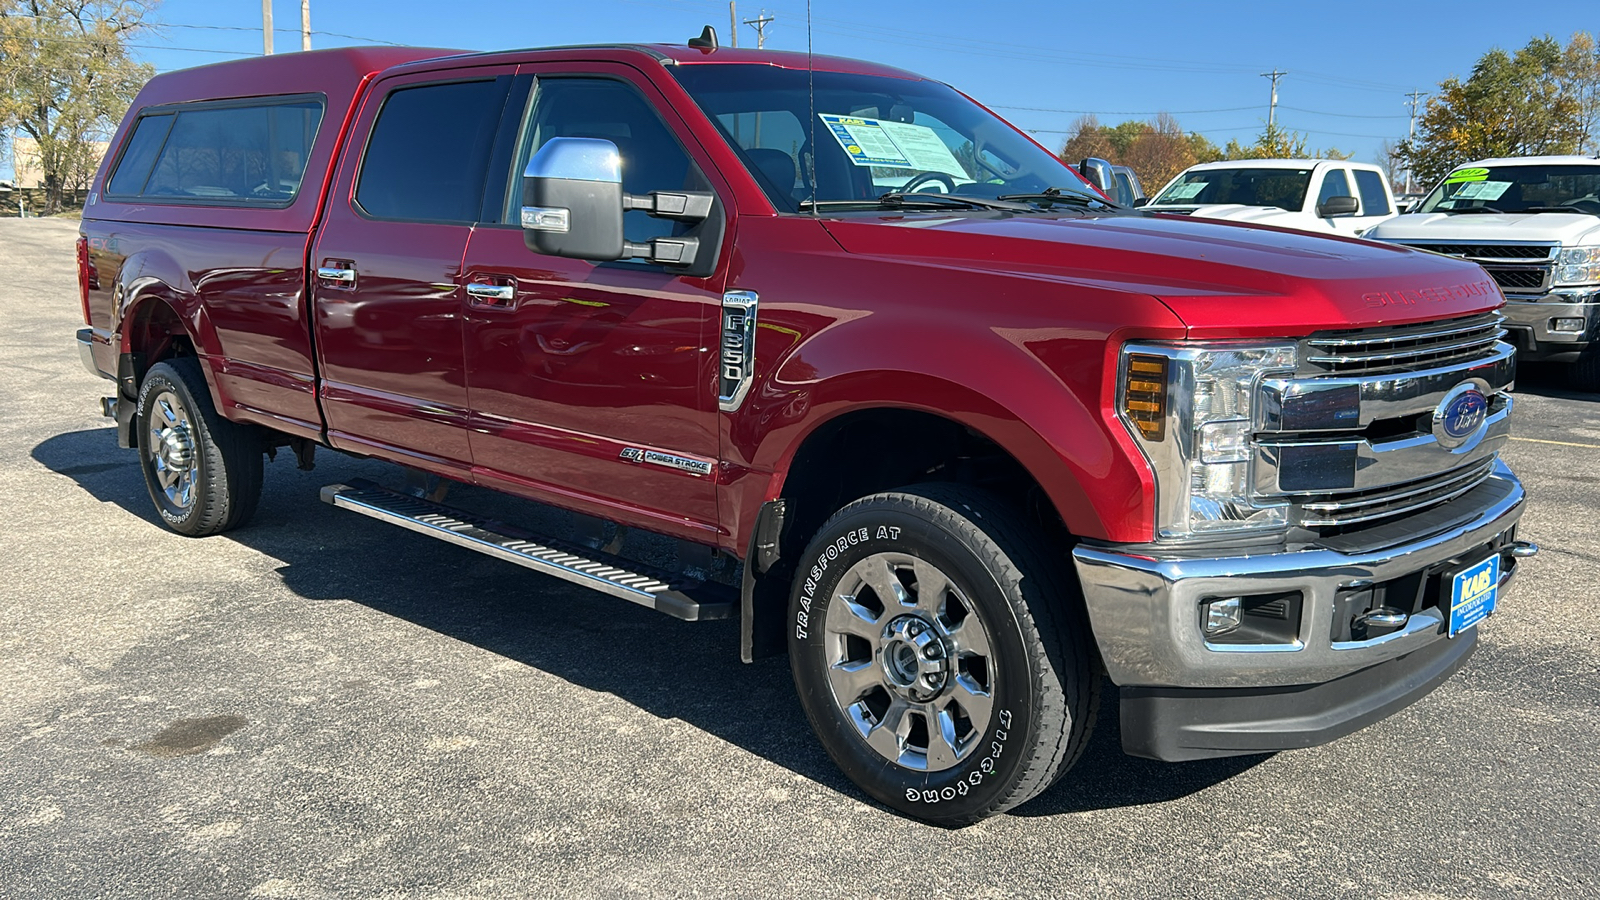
{"points": [[1529, 321], [1145, 611]]}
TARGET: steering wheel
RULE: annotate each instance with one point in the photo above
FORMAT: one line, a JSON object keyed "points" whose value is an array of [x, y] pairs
{"points": [[926, 178], [1592, 207]]}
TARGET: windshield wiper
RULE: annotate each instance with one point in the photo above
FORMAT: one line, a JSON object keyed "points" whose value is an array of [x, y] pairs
{"points": [[902, 200], [949, 201], [1050, 196], [1565, 207], [1474, 209]]}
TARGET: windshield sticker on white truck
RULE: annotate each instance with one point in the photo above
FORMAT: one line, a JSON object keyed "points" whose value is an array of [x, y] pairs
{"points": [[1184, 191], [900, 145], [1481, 190], [1461, 175]]}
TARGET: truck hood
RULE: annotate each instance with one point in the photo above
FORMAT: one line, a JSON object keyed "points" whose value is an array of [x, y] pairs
{"points": [[1222, 279], [1568, 228]]}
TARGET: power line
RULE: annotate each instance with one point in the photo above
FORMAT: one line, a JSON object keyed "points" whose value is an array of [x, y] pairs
{"points": [[1106, 112]]}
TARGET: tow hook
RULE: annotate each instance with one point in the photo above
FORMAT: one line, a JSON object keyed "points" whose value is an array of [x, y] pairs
{"points": [[1524, 549]]}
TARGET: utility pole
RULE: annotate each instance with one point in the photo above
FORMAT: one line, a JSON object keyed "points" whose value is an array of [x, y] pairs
{"points": [[760, 25], [1272, 108], [266, 27], [1416, 97], [305, 24], [733, 24]]}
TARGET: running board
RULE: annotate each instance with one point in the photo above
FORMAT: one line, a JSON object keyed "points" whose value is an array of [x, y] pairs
{"points": [[656, 590]]}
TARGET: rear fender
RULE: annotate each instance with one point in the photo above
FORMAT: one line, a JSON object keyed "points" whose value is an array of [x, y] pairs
{"points": [[156, 306]]}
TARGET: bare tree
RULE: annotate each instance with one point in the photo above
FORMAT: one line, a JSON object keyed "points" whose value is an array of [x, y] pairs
{"points": [[66, 79]]}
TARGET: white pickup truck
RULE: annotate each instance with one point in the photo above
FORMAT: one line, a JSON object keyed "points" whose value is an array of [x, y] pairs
{"points": [[1327, 195], [1533, 223]]}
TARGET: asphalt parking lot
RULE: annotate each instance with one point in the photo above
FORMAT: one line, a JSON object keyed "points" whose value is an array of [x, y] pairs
{"points": [[320, 705]]}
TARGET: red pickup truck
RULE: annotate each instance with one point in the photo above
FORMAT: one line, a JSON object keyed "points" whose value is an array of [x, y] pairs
{"points": [[910, 398]]}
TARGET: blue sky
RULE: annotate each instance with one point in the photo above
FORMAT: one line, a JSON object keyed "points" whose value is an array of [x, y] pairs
{"points": [[1041, 64]]}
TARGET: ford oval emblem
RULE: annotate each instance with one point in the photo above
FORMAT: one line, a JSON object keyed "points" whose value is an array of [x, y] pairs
{"points": [[1459, 418]]}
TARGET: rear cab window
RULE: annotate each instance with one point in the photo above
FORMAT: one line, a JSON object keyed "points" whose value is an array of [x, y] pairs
{"points": [[226, 153]]}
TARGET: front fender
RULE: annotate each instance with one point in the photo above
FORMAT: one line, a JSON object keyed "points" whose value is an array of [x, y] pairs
{"points": [[1030, 380]]}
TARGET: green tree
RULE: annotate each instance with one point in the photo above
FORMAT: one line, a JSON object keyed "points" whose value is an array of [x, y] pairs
{"points": [[66, 79], [1580, 79], [1275, 142], [1521, 104]]}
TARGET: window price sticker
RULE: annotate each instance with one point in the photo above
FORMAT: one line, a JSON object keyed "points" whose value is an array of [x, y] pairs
{"points": [[895, 145]]}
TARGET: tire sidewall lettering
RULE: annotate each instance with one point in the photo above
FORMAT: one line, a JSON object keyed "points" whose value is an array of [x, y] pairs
{"points": [[839, 546], [990, 766]]}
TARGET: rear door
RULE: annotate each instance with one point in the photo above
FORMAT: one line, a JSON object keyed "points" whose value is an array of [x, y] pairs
{"points": [[594, 385], [1375, 206], [386, 267]]}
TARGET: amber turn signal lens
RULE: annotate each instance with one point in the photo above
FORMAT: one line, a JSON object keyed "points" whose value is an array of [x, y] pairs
{"points": [[1144, 395]]}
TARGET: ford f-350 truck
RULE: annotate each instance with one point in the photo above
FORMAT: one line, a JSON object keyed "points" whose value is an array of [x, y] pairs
{"points": [[962, 449]]}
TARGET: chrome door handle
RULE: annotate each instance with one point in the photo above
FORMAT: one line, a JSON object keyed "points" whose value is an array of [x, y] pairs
{"points": [[495, 293], [343, 276]]}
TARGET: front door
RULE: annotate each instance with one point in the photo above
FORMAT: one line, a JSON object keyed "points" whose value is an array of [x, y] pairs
{"points": [[386, 266], [594, 384]]}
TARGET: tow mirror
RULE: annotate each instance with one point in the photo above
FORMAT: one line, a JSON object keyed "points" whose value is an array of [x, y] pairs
{"points": [[1098, 173], [1337, 206], [573, 203]]}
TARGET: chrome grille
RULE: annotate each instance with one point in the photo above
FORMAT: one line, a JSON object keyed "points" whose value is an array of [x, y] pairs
{"points": [[1514, 266], [1336, 510], [1490, 251], [1404, 347], [1521, 278]]}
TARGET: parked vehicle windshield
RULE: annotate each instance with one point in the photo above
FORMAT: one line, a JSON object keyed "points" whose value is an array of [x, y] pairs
{"points": [[1285, 188], [873, 135], [1517, 189]]}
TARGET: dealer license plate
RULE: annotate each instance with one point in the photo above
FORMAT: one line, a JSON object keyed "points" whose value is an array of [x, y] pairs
{"points": [[1473, 592]]}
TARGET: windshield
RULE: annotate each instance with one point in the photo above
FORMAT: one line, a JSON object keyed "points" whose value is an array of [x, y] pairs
{"points": [[1285, 188], [874, 135], [1517, 189]]}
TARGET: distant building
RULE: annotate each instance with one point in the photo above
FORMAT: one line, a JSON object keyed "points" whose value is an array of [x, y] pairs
{"points": [[25, 162]]}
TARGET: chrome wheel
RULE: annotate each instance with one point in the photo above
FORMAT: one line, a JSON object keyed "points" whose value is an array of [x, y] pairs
{"points": [[170, 452], [908, 662]]}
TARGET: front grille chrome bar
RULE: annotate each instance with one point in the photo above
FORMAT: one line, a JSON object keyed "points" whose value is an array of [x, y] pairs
{"points": [[1398, 500], [1406, 347]]}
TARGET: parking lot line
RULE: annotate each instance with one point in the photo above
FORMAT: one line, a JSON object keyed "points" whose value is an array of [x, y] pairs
{"points": [[1557, 443]]}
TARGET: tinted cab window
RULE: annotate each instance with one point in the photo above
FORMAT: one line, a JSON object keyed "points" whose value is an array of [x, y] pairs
{"points": [[429, 151]]}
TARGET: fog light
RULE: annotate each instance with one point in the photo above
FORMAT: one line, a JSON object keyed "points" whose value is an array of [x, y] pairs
{"points": [[1222, 616], [1573, 325]]}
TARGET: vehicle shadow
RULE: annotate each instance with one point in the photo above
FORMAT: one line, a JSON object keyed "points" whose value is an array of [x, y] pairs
{"points": [[1549, 380], [669, 668]]}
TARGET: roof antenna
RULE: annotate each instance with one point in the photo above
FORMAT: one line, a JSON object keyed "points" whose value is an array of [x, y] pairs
{"points": [[811, 97], [707, 40]]}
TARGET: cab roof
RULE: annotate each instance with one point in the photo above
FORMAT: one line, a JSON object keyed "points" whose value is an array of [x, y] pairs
{"points": [[338, 71], [1570, 160], [1278, 164]]}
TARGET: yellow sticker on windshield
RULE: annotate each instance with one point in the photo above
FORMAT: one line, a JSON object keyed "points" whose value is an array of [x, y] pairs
{"points": [[1461, 175]]}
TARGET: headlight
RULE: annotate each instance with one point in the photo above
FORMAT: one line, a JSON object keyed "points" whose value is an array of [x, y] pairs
{"points": [[1190, 408], [1577, 265]]}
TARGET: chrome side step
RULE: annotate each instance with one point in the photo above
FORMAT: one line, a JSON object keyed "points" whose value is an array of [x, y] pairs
{"points": [[656, 590]]}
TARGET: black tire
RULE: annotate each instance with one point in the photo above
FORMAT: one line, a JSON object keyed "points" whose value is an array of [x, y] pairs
{"points": [[203, 472], [1034, 662], [1585, 373]]}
